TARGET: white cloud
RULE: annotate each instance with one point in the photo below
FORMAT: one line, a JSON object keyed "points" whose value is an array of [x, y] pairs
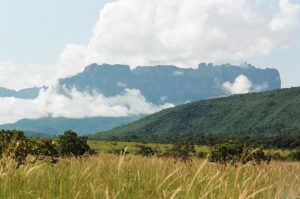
{"points": [[143, 32], [242, 85], [178, 73], [18, 77], [121, 85], [76, 105], [287, 18], [179, 32], [183, 32]]}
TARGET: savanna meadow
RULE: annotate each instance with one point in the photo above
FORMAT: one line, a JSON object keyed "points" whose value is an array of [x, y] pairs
{"points": [[70, 166], [149, 99]]}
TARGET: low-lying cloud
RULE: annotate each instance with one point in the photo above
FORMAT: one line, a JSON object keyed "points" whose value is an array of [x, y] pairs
{"points": [[74, 104], [242, 85]]}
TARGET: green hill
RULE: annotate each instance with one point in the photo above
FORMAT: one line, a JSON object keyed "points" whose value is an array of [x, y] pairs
{"points": [[269, 118]]}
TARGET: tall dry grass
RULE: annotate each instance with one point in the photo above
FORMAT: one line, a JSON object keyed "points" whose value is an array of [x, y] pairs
{"points": [[109, 176]]}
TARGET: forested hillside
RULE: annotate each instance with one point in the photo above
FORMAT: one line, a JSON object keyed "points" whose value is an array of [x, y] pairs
{"points": [[269, 118]]}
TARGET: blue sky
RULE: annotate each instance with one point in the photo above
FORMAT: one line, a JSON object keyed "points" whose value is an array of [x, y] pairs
{"points": [[36, 32]]}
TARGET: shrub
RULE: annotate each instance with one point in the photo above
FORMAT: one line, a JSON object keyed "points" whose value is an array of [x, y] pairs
{"points": [[233, 152], [257, 156], [146, 151], [201, 155], [9, 137], [182, 150], [15, 145], [230, 151], [294, 155], [70, 144], [19, 150], [44, 149]]}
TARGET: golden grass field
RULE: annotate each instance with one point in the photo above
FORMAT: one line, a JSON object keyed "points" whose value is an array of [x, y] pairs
{"points": [[131, 176]]}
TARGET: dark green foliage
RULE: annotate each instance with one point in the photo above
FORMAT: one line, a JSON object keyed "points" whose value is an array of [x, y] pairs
{"points": [[294, 155], [183, 150], [19, 150], [70, 144], [146, 151], [201, 155], [270, 119], [257, 156], [44, 149], [230, 151], [15, 145], [8, 137], [233, 152]]}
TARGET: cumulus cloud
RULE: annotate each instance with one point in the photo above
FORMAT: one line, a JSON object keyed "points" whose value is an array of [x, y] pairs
{"points": [[143, 32], [242, 85], [179, 32], [184, 32], [18, 77], [76, 105]]}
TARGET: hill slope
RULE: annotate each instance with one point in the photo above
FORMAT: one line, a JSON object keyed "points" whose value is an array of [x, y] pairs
{"points": [[55, 126], [263, 118]]}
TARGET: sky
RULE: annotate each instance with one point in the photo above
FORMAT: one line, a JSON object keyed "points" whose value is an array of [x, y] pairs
{"points": [[41, 41], [35, 35]]}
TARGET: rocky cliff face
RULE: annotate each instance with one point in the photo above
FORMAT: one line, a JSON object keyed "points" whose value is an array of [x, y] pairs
{"points": [[160, 84]]}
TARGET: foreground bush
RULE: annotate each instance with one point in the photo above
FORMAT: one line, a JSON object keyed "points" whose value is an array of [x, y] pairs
{"points": [[182, 150], [15, 145], [70, 144], [146, 151], [294, 155], [233, 152], [45, 149]]}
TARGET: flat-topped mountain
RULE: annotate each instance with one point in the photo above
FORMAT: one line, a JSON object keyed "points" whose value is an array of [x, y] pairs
{"points": [[160, 84]]}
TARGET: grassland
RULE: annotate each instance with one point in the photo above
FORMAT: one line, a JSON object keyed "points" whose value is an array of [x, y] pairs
{"points": [[132, 147], [132, 176]]}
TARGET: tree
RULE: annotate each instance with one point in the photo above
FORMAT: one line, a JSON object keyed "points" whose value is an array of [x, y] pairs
{"points": [[233, 152], [146, 151], [44, 149], [182, 150], [70, 144], [14, 144], [230, 151]]}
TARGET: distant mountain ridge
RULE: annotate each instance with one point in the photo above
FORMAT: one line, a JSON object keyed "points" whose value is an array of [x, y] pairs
{"points": [[270, 118], [55, 126], [160, 84], [28, 93]]}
